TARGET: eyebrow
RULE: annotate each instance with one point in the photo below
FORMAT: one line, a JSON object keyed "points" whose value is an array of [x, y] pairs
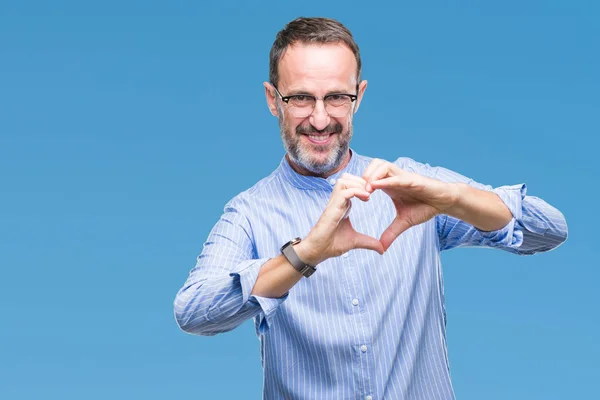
{"points": [[305, 92], [335, 90]]}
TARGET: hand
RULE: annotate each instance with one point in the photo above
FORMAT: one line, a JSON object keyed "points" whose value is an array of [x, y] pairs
{"points": [[417, 198], [333, 234]]}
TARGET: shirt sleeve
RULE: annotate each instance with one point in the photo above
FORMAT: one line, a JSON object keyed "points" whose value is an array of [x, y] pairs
{"points": [[216, 296], [535, 227]]}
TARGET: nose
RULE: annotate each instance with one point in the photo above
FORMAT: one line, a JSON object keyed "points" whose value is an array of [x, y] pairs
{"points": [[319, 118]]}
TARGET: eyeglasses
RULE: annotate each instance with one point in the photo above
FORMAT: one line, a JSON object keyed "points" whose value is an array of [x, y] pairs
{"points": [[302, 105]]}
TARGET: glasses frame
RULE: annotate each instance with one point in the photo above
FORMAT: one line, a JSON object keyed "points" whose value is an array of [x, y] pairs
{"points": [[286, 99]]}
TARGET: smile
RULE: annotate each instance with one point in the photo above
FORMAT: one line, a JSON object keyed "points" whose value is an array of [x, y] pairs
{"points": [[319, 139]]}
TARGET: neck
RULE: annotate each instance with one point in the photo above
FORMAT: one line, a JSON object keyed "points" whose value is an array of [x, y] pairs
{"points": [[305, 172]]}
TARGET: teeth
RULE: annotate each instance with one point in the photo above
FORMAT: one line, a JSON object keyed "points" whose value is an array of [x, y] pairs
{"points": [[319, 138]]}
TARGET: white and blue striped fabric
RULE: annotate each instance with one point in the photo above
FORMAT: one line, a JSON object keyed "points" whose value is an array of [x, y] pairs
{"points": [[364, 326]]}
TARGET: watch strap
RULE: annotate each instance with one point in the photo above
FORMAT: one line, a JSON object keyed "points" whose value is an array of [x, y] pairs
{"points": [[289, 253]]}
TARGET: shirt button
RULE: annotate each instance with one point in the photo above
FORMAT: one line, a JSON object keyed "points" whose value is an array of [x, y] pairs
{"points": [[332, 181], [345, 255], [363, 348], [369, 398], [355, 302]]}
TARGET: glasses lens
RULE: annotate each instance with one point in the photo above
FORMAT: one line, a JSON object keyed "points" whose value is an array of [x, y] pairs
{"points": [[338, 111], [336, 105], [300, 112]]}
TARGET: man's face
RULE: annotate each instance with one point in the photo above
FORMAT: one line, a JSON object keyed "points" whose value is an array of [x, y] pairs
{"points": [[317, 144]]}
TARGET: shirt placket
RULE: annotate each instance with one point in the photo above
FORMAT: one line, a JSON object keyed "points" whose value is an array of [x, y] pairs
{"points": [[361, 338]]}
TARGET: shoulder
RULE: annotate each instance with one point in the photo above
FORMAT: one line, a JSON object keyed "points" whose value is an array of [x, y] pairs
{"points": [[408, 164], [405, 163], [246, 200]]}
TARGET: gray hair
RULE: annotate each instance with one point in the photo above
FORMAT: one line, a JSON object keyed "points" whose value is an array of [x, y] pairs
{"points": [[310, 30]]}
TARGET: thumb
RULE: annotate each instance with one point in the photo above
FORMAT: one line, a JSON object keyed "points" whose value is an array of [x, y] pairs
{"points": [[393, 231], [362, 241]]}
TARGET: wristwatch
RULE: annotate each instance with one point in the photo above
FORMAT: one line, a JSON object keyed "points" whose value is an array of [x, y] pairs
{"points": [[289, 253]]}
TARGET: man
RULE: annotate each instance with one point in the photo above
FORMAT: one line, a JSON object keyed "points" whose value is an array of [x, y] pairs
{"points": [[355, 309]]}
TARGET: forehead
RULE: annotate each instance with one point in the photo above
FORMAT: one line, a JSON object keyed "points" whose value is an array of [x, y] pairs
{"points": [[317, 67]]}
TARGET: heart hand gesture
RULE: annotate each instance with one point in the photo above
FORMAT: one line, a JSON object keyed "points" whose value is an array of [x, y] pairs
{"points": [[416, 198], [333, 234]]}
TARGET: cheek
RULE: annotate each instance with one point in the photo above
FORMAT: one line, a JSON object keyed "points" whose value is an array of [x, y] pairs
{"points": [[346, 123], [289, 128]]}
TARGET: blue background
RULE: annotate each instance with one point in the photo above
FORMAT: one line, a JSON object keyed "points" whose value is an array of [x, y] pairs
{"points": [[126, 126]]}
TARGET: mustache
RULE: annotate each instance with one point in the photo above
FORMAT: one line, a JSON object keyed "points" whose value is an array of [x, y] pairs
{"points": [[308, 130]]}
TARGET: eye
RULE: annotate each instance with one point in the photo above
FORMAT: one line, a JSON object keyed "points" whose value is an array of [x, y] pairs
{"points": [[300, 100], [337, 100]]}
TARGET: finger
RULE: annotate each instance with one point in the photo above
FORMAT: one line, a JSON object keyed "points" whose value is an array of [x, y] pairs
{"points": [[344, 183], [371, 167], [384, 183], [393, 181], [362, 241], [354, 178], [359, 193], [340, 202], [379, 172], [382, 171], [396, 228], [356, 182], [347, 212], [347, 194], [343, 191], [385, 170]]}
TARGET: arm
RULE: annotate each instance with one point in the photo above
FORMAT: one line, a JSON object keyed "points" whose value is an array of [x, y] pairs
{"points": [[467, 213], [533, 226], [332, 235], [229, 285], [482, 209], [217, 294]]}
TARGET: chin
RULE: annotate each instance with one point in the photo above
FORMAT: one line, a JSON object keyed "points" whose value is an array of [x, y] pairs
{"points": [[321, 164]]}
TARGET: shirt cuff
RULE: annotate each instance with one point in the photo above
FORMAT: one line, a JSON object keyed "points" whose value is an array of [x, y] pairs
{"points": [[247, 277], [511, 235]]}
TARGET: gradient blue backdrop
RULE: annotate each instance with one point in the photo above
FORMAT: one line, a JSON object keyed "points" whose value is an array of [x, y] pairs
{"points": [[126, 126]]}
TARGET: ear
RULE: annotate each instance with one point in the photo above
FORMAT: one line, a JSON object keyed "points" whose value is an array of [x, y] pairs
{"points": [[271, 99], [362, 86]]}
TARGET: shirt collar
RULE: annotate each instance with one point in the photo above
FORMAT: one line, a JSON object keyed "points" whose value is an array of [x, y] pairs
{"points": [[314, 182]]}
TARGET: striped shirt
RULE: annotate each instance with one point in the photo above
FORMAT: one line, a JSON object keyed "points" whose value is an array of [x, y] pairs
{"points": [[364, 326]]}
